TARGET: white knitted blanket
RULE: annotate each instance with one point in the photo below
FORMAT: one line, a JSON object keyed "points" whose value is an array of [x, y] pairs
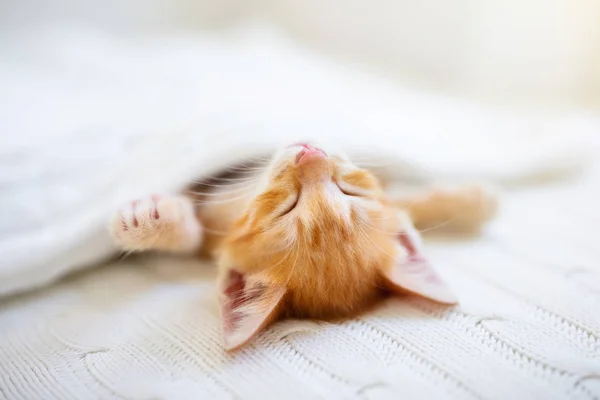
{"points": [[528, 326], [101, 121], [90, 121]]}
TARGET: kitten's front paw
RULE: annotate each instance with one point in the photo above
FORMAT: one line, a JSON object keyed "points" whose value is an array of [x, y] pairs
{"points": [[156, 222]]}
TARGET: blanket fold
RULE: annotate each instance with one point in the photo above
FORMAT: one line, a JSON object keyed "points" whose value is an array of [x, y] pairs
{"points": [[103, 121]]}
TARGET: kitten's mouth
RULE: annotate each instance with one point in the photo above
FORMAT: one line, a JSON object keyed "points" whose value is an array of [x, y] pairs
{"points": [[308, 152]]}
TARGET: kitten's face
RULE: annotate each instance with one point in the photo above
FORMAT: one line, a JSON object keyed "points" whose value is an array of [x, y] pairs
{"points": [[318, 241]]}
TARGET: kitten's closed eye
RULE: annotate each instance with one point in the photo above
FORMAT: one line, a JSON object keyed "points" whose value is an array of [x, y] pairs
{"points": [[350, 190], [288, 205]]}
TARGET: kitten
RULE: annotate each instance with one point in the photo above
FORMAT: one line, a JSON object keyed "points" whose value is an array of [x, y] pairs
{"points": [[315, 237]]}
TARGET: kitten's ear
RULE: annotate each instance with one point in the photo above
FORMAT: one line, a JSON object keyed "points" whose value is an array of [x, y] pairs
{"points": [[247, 307], [414, 273]]}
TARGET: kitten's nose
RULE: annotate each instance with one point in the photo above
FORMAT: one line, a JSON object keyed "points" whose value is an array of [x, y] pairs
{"points": [[308, 152], [312, 164]]}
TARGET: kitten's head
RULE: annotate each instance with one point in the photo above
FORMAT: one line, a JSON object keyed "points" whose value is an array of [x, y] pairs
{"points": [[320, 240]]}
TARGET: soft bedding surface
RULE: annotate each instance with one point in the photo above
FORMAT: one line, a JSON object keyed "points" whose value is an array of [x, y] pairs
{"points": [[528, 326], [92, 121]]}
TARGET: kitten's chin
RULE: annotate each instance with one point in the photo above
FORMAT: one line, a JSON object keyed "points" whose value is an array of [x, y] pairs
{"points": [[313, 168]]}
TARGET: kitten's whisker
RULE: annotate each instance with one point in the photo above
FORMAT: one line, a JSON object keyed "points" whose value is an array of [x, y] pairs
{"points": [[259, 158], [246, 189], [245, 183], [200, 202], [254, 165], [244, 168], [438, 226], [431, 228], [379, 230], [250, 178], [375, 244], [224, 179]]}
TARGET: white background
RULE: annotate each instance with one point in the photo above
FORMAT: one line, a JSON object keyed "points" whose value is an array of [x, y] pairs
{"points": [[524, 52]]}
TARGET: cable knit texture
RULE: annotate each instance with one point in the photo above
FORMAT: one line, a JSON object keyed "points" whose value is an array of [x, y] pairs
{"points": [[528, 326], [528, 323]]}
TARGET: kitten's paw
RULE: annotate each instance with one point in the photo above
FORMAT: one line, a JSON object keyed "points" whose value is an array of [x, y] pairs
{"points": [[157, 222], [474, 204], [484, 199]]}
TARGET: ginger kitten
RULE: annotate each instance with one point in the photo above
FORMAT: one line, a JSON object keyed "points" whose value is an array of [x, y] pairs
{"points": [[313, 237]]}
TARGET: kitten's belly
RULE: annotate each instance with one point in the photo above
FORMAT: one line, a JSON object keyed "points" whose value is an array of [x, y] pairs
{"points": [[219, 203]]}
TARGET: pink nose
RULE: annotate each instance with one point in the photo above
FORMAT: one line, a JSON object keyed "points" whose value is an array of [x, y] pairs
{"points": [[308, 152]]}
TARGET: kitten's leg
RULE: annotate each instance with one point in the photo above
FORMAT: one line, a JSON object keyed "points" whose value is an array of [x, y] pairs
{"points": [[465, 207], [165, 223]]}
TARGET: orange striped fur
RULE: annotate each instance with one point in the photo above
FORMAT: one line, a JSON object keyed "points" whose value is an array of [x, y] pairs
{"points": [[311, 236]]}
